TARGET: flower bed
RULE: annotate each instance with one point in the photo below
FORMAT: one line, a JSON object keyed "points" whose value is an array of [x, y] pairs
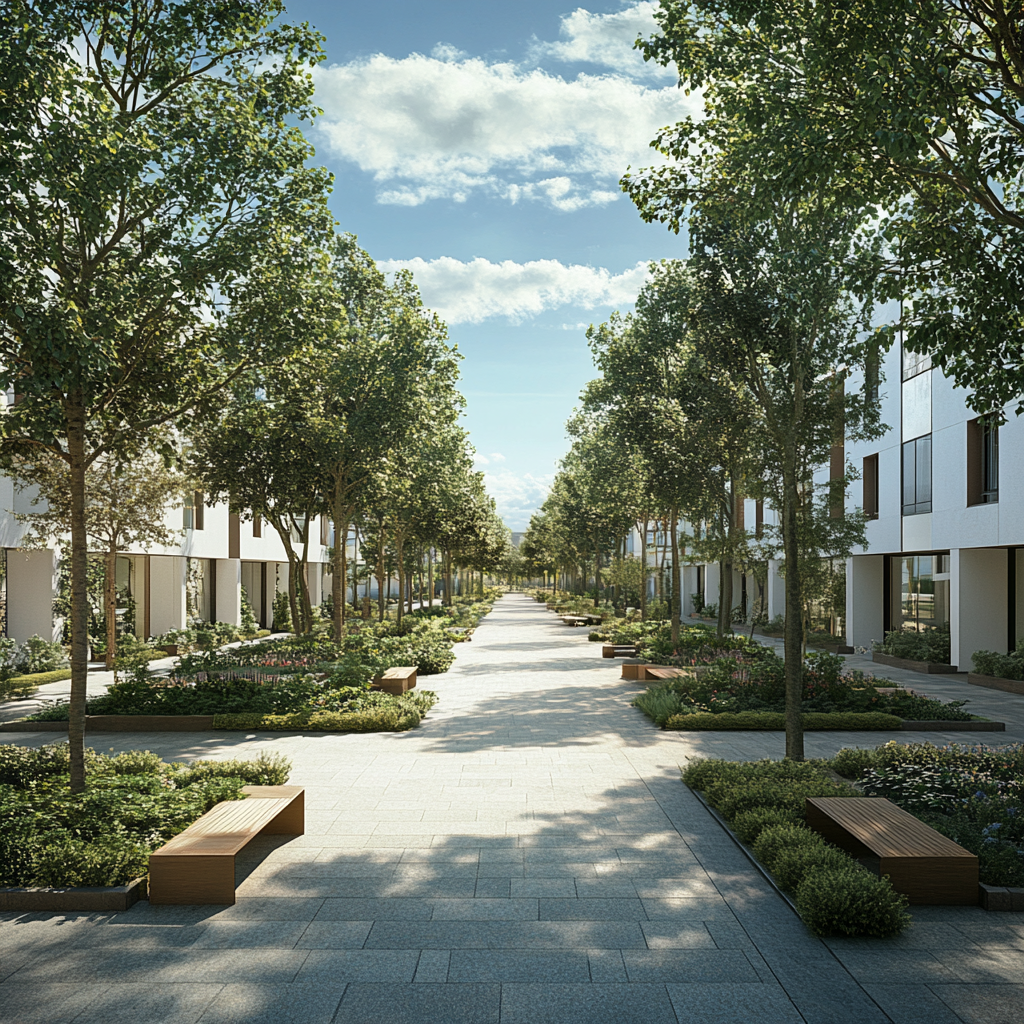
{"points": [[739, 688], [134, 803], [928, 646], [972, 794], [763, 802], [291, 683]]}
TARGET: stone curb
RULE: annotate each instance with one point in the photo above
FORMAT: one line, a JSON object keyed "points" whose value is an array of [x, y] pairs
{"points": [[87, 898]]}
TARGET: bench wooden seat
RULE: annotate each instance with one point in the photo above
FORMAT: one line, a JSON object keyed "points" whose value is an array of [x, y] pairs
{"points": [[396, 680], [920, 862], [197, 866], [618, 651], [654, 672]]}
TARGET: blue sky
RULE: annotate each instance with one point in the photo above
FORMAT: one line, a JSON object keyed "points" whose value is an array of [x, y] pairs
{"points": [[480, 144]]}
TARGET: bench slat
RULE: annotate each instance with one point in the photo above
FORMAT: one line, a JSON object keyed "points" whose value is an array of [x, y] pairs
{"points": [[226, 826]]}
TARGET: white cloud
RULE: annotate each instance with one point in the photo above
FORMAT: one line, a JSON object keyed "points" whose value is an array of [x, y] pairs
{"points": [[517, 496], [481, 460], [497, 457], [477, 289], [607, 39], [448, 125]]}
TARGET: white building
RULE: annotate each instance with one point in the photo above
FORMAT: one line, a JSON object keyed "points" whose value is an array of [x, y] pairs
{"points": [[202, 576]]}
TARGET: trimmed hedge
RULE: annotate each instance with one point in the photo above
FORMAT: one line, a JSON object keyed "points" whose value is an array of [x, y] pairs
{"points": [[764, 801], [774, 720], [403, 714]]}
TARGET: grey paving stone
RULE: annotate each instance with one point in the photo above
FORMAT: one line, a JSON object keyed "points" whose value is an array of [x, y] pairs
{"points": [[591, 910], [45, 1002], [983, 1004], [493, 888], [334, 935], [895, 965], [250, 934], [909, 1003], [483, 909], [517, 965], [993, 966], [586, 1004], [375, 910], [580, 934], [432, 967], [420, 1004], [148, 1003], [681, 935], [699, 908], [729, 1003], [439, 935], [606, 967], [543, 887], [351, 965], [688, 965], [823, 991]]}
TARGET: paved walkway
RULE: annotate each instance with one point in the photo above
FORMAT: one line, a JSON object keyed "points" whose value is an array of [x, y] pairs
{"points": [[528, 856]]}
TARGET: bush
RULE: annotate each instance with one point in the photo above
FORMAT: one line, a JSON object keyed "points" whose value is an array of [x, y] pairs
{"points": [[850, 901], [134, 803], [730, 799], [930, 644], [749, 825], [776, 840], [1002, 666], [793, 865], [38, 655], [282, 613], [772, 720]]}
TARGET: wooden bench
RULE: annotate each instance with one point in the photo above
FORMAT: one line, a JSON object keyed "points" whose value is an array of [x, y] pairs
{"points": [[618, 651], [198, 865], [920, 862], [396, 680]]}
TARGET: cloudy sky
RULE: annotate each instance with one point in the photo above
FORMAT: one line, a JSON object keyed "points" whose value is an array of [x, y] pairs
{"points": [[481, 144]]}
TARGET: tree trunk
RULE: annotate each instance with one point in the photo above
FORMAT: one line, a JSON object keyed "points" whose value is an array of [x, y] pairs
{"points": [[399, 541], [380, 575], [430, 577], [676, 579], [643, 571], [110, 603], [794, 633], [75, 412], [339, 566]]}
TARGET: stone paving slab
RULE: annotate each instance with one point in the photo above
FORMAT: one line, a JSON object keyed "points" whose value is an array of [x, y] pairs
{"points": [[527, 854]]}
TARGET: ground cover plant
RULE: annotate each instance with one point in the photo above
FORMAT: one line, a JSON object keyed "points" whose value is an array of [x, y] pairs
{"points": [[763, 802], [931, 644], [735, 687], [697, 645], [305, 682], [972, 794], [134, 803]]}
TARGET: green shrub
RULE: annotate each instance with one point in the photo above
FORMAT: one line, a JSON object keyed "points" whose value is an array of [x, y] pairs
{"points": [[850, 901], [1002, 666], [71, 862], [793, 865], [773, 720], [39, 655], [851, 761], [750, 825], [268, 769], [931, 644], [730, 799], [777, 839]]}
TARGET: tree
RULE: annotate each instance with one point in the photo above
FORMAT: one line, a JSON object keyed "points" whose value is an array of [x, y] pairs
{"points": [[908, 107], [150, 163], [126, 507]]}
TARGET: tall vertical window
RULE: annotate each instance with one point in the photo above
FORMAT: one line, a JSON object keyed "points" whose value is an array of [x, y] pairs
{"points": [[915, 363], [982, 462], [869, 476], [917, 476], [198, 517]]}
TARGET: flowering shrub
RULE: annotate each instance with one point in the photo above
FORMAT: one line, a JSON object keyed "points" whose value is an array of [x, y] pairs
{"points": [[974, 795]]}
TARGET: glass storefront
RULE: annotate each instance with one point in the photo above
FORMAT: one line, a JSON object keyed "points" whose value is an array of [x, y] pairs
{"points": [[920, 591]]}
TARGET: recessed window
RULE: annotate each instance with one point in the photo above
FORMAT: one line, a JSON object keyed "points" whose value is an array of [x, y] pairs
{"points": [[982, 462], [257, 526], [915, 363], [869, 477], [917, 476]]}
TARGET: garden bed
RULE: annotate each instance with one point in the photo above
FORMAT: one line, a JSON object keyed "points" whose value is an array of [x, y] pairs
{"points": [[929, 667], [90, 851], [996, 683]]}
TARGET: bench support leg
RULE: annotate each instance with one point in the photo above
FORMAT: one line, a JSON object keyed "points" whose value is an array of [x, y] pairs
{"points": [[194, 880]]}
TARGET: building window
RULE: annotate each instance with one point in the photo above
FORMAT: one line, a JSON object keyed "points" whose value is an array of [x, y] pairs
{"points": [[921, 591], [917, 476], [915, 363], [257, 526], [188, 513], [198, 517], [982, 462], [869, 476]]}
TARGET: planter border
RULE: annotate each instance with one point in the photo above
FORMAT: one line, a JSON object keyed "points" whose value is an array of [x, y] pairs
{"points": [[927, 667], [120, 723], [86, 898], [996, 682], [948, 725]]}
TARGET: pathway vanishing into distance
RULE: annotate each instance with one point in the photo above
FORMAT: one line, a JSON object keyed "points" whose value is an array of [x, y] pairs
{"points": [[527, 856]]}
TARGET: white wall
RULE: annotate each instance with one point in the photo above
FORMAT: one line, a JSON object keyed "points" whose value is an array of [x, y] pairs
{"points": [[31, 583], [978, 609]]}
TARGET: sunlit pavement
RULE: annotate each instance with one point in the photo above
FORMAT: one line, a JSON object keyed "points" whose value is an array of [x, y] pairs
{"points": [[527, 855]]}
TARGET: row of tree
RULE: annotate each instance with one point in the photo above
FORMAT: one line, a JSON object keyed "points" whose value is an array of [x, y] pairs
{"points": [[172, 283], [848, 155]]}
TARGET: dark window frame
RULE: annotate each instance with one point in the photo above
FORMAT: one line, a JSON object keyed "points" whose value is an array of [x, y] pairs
{"points": [[916, 476]]}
